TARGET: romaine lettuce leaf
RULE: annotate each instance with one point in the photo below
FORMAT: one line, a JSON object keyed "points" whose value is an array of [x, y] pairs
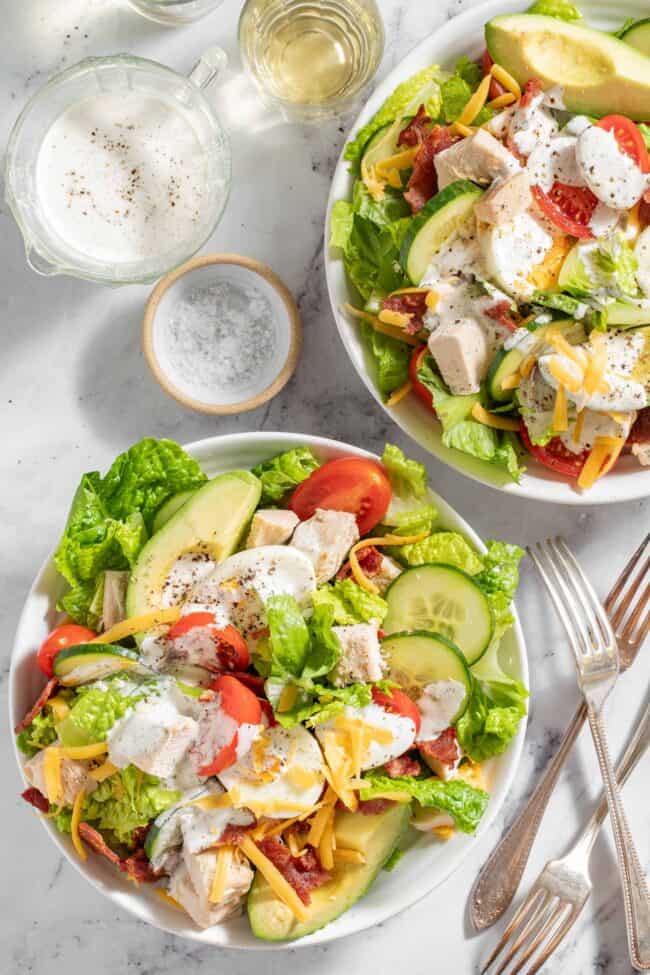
{"points": [[350, 603], [455, 93], [412, 521], [492, 717], [288, 636], [408, 478], [390, 209], [93, 713], [561, 9], [341, 220], [371, 258], [282, 473], [391, 360], [325, 648], [463, 802], [448, 547], [127, 800], [38, 734]]}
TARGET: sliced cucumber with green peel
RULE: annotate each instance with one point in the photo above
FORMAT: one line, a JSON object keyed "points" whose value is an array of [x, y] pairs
{"points": [[170, 508], [441, 599], [421, 658], [435, 223], [378, 147], [505, 364], [93, 661], [638, 36], [165, 832]]}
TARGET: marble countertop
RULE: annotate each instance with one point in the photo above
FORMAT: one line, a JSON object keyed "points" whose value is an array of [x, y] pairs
{"points": [[75, 390]]}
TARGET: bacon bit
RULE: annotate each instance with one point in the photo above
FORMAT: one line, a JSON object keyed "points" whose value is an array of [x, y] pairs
{"points": [[501, 313], [253, 681], [267, 710], [138, 868], [496, 88], [96, 842], [403, 765], [38, 705], [640, 432], [416, 131], [413, 304], [444, 748], [423, 183], [233, 835], [139, 837], [36, 799], [304, 873], [370, 807], [370, 561], [532, 88]]}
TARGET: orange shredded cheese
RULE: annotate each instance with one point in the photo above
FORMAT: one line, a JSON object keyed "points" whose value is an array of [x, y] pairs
{"points": [[560, 411], [390, 317], [168, 899], [103, 772], [431, 300], [80, 752], [502, 101], [459, 128], [577, 430], [74, 824], [601, 459], [378, 326], [52, 775], [401, 160], [399, 394], [326, 845], [288, 698], [220, 878], [222, 801], [505, 78], [274, 878], [357, 571], [476, 102], [344, 855], [493, 419], [138, 624]]}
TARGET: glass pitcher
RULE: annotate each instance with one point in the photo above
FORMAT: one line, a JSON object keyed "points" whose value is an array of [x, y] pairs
{"points": [[51, 251], [174, 13]]}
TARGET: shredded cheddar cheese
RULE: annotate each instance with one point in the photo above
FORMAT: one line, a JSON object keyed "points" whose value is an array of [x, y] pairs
{"points": [[59, 708], [357, 572], [502, 101], [401, 160], [220, 878], [288, 698], [560, 411], [80, 752], [601, 459], [344, 855], [577, 430], [137, 624], [476, 102], [379, 326], [458, 128], [505, 78], [399, 394], [74, 825], [274, 878], [103, 772], [390, 317], [493, 419], [326, 845], [432, 300], [222, 801], [52, 775], [168, 899]]}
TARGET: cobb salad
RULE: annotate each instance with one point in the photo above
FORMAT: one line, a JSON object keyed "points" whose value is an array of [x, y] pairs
{"points": [[497, 241], [264, 680]]}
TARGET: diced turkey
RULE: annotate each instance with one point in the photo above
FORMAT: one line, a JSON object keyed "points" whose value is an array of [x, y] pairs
{"points": [[480, 158], [272, 526], [361, 660], [325, 539], [190, 885], [74, 777], [462, 354], [505, 199]]}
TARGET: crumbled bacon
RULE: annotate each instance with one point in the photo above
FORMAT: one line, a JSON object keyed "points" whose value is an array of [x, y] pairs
{"points": [[303, 873], [413, 303], [640, 432], [232, 835], [444, 748], [38, 705], [423, 183], [254, 682], [138, 868], [368, 558], [96, 842], [136, 865], [532, 88], [644, 209], [267, 711], [502, 313], [36, 798], [404, 765], [139, 836], [415, 132], [371, 807]]}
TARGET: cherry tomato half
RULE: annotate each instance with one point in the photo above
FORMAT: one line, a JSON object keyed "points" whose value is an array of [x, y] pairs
{"points": [[229, 645], [397, 702], [243, 707], [570, 208], [352, 484], [66, 635], [629, 139], [419, 388], [554, 455]]}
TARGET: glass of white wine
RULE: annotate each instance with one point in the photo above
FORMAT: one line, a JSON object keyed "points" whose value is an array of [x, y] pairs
{"points": [[311, 58]]}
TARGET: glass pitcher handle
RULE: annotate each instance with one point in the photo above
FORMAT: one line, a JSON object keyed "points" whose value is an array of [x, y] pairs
{"points": [[210, 65], [39, 263]]}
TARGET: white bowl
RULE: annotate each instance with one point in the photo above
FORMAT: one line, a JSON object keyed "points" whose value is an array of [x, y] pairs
{"points": [[464, 35], [426, 864]]}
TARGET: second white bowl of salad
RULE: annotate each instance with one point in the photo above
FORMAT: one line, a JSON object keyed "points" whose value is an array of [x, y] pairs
{"points": [[284, 688], [488, 241]]}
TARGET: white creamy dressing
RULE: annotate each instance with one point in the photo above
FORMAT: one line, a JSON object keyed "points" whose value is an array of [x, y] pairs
{"points": [[595, 425], [122, 177], [610, 173], [217, 729], [532, 125], [642, 254], [554, 161], [187, 572], [202, 828], [438, 704]]}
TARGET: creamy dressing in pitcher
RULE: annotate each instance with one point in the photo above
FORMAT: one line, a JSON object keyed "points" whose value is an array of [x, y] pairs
{"points": [[122, 177]]}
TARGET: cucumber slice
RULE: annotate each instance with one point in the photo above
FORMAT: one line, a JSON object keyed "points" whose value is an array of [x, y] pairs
{"points": [[170, 508], [92, 661], [444, 600], [165, 832], [505, 363], [435, 223], [638, 35], [376, 149], [421, 658], [628, 314]]}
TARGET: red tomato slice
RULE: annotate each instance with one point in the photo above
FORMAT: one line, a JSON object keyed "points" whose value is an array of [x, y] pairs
{"points": [[243, 707], [554, 455], [419, 388], [230, 647], [352, 484], [569, 207], [397, 702], [629, 139], [66, 635]]}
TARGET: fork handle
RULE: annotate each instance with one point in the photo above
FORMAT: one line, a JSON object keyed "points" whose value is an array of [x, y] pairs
{"points": [[501, 874], [636, 897]]}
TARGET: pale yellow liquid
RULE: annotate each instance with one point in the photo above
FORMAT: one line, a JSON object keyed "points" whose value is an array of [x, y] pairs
{"points": [[312, 54]]}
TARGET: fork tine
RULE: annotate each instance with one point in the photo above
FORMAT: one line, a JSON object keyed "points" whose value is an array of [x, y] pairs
{"points": [[624, 605], [542, 563], [589, 592], [565, 571], [561, 912], [628, 632], [559, 936], [620, 583], [542, 931], [529, 929], [521, 912]]}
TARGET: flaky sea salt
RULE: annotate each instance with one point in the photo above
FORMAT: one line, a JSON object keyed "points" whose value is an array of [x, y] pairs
{"points": [[218, 338]]}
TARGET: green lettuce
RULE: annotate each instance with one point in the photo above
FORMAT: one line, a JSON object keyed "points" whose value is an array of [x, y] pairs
{"points": [[283, 473], [408, 478], [413, 521], [559, 302], [93, 714], [324, 645], [645, 132], [608, 264], [350, 603], [288, 636], [492, 717], [561, 9], [455, 93], [387, 212], [391, 358], [341, 221], [371, 257], [126, 801], [110, 519], [421, 88], [38, 734], [463, 802], [469, 71], [461, 431], [448, 547]]}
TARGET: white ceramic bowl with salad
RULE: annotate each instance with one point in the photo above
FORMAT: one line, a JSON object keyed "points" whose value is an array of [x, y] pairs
{"points": [[142, 488], [499, 268]]}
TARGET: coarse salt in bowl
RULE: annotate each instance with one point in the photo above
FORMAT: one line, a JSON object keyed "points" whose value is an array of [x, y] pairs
{"points": [[221, 334]]}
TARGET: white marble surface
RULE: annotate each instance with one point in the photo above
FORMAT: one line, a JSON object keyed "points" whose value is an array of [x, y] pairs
{"points": [[74, 391]]}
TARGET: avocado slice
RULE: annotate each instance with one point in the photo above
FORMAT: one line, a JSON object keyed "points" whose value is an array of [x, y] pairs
{"points": [[375, 836], [93, 661], [212, 521], [170, 508], [599, 73]]}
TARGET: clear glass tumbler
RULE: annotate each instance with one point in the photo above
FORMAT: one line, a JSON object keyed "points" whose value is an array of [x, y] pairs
{"points": [[47, 248], [174, 13], [311, 58]]}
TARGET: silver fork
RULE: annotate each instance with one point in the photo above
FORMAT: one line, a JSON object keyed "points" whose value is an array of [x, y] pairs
{"points": [[563, 887], [596, 654], [501, 874]]}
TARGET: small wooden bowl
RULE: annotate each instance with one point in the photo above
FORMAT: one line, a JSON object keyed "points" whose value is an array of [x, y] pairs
{"points": [[290, 322]]}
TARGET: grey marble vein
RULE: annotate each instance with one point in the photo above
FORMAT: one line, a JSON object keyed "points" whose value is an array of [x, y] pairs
{"points": [[74, 390]]}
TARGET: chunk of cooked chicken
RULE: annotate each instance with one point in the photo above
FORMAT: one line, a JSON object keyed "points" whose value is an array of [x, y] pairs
{"points": [[74, 777], [191, 881], [480, 157], [271, 526], [326, 539], [505, 199], [462, 354], [361, 660]]}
